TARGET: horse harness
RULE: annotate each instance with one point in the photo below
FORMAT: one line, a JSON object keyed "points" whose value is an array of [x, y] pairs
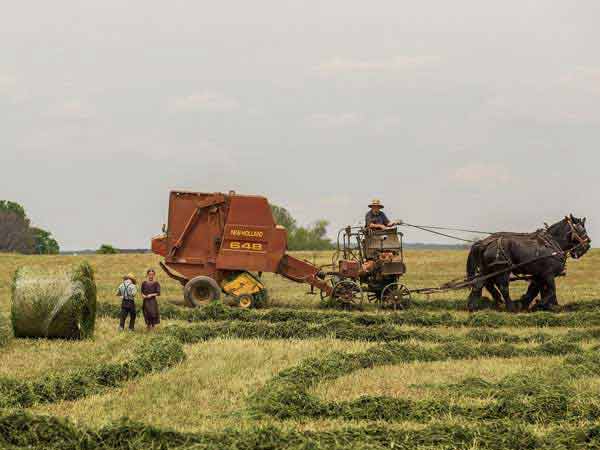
{"points": [[503, 257], [549, 241]]}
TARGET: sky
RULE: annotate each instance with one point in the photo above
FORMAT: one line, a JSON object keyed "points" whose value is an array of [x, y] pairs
{"points": [[464, 113]]}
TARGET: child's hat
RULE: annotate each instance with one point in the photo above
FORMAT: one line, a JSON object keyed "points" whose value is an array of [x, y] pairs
{"points": [[131, 277]]}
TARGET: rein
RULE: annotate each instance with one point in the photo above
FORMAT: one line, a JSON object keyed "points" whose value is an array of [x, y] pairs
{"points": [[420, 227], [574, 236]]}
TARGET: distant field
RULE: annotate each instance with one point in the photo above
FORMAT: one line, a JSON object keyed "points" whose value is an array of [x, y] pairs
{"points": [[333, 380]]}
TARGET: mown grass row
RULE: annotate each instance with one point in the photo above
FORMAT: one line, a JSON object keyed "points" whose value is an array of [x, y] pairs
{"points": [[23, 430], [165, 350], [286, 395], [488, 319], [440, 304], [344, 329], [158, 353], [526, 383]]}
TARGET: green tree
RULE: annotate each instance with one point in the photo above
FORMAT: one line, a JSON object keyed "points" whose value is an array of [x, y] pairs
{"points": [[8, 207], [17, 234], [45, 244], [106, 249], [283, 217], [313, 237]]}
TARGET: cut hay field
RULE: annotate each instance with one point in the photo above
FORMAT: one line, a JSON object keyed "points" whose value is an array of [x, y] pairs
{"points": [[294, 375]]}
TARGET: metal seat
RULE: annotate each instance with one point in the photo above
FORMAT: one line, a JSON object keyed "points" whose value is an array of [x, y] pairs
{"points": [[376, 241]]}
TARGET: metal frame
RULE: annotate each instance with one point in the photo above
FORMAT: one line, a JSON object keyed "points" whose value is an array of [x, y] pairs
{"points": [[360, 234], [350, 245]]}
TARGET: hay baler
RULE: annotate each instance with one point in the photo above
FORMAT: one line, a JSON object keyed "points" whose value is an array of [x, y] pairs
{"points": [[214, 242]]}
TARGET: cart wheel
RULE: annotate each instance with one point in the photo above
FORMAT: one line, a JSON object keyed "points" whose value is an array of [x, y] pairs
{"points": [[200, 290], [245, 301], [396, 296], [348, 293]]}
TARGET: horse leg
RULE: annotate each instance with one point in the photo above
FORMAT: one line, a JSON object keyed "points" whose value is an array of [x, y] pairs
{"points": [[533, 290], [549, 293], [474, 297], [503, 282], [491, 287]]}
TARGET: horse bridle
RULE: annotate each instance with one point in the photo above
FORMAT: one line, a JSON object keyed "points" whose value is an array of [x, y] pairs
{"points": [[576, 236]]}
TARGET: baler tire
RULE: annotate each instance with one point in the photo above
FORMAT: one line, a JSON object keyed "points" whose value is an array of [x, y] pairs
{"points": [[209, 291], [245, 301]]}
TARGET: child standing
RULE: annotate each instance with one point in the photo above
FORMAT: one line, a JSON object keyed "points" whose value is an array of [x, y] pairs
{"points": [[127, 291], [151, 290]]}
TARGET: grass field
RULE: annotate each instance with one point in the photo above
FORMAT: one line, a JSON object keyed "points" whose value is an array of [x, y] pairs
{"points": [[294, 375]]}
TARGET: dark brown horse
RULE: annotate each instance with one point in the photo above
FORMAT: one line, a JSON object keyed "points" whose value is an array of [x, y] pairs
{"points": [[541, 255]]}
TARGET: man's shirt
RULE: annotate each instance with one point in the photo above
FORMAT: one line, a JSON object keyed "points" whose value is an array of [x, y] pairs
{"points": [[378, 219]]}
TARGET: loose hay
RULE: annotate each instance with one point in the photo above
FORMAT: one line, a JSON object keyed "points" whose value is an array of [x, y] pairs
{"points": [[530, 399], [154, 355], [5, 333], [482, 319], [23, 429], [54, 303]]}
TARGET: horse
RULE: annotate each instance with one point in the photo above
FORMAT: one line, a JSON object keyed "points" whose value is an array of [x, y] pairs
{"points": [[540, 256]]}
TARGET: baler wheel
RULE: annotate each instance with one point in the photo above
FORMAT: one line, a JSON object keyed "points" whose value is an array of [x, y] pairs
{"points": [[201, 290], [245, 301]]}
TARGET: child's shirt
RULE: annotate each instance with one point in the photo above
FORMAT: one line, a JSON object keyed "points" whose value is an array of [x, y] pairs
{"points": [[127, 290]]}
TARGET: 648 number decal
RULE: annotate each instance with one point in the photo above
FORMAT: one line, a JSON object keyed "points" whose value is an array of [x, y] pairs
{"points": [[250, 246]]}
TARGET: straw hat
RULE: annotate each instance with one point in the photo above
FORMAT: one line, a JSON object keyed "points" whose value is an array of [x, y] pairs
{"points": [[375, 202], [131, 277]]}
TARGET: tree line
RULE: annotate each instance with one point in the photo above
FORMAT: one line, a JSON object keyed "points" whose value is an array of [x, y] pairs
{"points": [[313, 237], [18, 235]]}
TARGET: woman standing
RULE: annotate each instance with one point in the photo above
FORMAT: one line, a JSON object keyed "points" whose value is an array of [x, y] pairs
{"points": [[151, 290]]}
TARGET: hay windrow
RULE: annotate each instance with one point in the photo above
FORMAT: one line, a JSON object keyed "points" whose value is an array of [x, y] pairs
{"points": [[54, 303], [287, 392], [417, 318], [156, 354], [286, 395], [36, 431], [345, 330], [25, 430]]}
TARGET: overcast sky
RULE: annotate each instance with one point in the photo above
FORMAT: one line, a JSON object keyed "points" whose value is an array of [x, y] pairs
{"points": [[465, 113]]}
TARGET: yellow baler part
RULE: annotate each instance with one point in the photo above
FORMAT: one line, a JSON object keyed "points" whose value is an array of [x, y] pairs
{"points": [[243, 284]]}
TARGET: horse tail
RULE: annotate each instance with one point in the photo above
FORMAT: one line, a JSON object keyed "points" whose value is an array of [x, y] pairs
{"points": [[474, 260], [473, 268]]}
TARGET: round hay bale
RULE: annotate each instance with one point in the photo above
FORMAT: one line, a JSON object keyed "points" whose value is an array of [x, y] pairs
{"points": [[54, 303]]}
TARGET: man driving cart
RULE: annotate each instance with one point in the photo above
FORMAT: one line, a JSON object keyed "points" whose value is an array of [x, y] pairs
{"points": [[376, 219]]}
